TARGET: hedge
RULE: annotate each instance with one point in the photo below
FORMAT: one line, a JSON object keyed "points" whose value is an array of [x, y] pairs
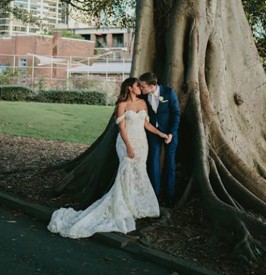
{"points": [[15, 93], [53, 96]]}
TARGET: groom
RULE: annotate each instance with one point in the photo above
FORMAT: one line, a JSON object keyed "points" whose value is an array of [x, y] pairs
{"points": [[164, 114]]}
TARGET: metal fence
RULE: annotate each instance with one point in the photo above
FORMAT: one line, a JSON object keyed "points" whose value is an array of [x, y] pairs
{"points": [[61, 72]]}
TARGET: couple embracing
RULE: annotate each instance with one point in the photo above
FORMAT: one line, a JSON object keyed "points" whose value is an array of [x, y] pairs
{"points": [[147, 115]]}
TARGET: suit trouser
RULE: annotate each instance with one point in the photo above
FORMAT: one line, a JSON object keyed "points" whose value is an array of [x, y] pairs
{"points": [[154, 164]]}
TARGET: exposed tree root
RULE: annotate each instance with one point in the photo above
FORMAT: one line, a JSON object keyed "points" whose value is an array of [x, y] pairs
{"points": [[224, 206], [187, 194], [219, 188], [238, 191], [247, 246], [261, 170], [223, 209]]}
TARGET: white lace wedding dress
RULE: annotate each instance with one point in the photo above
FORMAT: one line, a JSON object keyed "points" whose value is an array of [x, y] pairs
{"points": [[131, 197]]}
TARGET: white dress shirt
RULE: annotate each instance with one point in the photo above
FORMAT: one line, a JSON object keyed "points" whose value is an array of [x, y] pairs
{"points": [[154, 99]]}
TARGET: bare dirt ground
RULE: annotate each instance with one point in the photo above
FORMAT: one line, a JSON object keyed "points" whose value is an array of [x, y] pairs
{"points": [[25, 171]]}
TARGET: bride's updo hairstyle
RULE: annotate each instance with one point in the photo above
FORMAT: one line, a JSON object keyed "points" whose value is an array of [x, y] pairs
{"points": [[124, 90]]}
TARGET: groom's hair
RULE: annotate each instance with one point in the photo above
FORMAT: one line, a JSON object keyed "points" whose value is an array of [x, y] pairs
{"points": [[149, 77]]}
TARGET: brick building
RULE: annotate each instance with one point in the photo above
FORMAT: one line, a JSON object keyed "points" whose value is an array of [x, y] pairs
{"points": [[47, 56], [23, 48], [118, 40]]}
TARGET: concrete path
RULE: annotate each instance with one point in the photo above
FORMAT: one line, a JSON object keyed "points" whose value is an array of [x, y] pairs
{"points": [[26, 245]]}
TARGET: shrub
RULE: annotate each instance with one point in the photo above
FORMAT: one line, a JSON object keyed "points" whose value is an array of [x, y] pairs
{"points": [[16, 93], [19, 93], [8, 76], [77, 97]]}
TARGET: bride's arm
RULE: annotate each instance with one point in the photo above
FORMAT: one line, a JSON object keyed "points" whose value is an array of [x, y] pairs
{"points": [[122, 128], [154, 130]]}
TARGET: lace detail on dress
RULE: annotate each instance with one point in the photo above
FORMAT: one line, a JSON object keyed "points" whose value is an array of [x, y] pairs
{"points": [[119, 119], [130, 197]]}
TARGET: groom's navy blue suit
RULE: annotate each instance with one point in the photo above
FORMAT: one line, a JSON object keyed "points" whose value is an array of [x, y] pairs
{"points": [[166, 119]]}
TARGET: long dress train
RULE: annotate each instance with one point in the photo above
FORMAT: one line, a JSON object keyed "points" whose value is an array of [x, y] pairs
{"points": [[131, 197]]}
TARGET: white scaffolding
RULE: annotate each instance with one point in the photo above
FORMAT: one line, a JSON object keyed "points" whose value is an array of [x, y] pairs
{"points": [[32, 67]]}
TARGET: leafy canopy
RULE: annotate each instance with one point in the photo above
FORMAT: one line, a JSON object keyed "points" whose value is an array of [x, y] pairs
{"points": [[106, 12], [256, 15]]}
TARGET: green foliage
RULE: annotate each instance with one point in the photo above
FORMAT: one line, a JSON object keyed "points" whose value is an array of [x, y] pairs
{"points": [[77, 97], [20, 93], [66, 33], [16, 93], [255, 12], [40, 84], [8, 75], [109, 88], [103, 12], [107, 12]]}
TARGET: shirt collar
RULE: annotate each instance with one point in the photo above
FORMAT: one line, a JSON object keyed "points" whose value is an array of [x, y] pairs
{"points": [[157, 91]]}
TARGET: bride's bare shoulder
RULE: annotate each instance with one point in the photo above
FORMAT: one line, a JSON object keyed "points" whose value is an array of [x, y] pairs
{"points": [[142, 102], [121, 108]]}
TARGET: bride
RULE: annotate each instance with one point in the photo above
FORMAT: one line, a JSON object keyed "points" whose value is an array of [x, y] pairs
{"points": [[132, 196]]}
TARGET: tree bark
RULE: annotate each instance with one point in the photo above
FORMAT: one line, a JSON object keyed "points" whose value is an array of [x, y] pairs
{"points": [[211, 60]]}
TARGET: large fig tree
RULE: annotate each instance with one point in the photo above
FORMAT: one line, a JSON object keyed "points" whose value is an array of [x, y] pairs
{"points": [[205, 50]]}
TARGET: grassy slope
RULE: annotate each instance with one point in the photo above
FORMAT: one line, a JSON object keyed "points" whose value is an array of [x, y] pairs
{"points": [[75, 123]]}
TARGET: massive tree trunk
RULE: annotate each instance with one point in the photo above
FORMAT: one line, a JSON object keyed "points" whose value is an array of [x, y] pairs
{"points": [[205, 50]]}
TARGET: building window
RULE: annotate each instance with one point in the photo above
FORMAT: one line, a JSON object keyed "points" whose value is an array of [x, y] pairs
{"points": [[34, 30], [63, 10], [23, 62], [101, 41], [3, 21], [22, 69], [21, 5], [3, 28], [19, 29], [3, 67], [86, 36], [118, 40]]}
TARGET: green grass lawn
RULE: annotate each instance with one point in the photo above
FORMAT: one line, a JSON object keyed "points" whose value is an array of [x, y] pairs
{"points": [[66, 122]]}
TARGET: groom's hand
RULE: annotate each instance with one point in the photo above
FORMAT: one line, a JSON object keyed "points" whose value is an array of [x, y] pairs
{"points": [[169, 139]]}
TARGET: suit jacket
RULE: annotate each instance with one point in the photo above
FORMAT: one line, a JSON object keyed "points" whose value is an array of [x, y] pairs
{"points": [[168, 113]]}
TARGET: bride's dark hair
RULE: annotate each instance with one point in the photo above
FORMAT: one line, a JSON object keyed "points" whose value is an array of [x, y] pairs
{"points": [[124, 91]]}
